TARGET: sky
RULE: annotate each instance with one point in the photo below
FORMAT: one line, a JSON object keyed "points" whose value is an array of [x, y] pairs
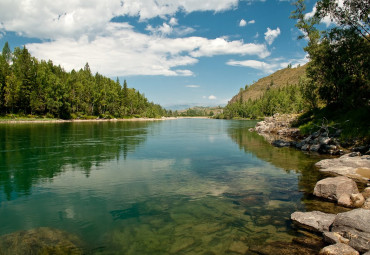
{"points": [[176, 52]]}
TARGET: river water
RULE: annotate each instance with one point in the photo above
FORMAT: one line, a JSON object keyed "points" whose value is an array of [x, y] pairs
{"points": [[186, 186]]}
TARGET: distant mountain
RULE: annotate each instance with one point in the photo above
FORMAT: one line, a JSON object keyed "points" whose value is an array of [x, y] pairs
{"points": [[279, 79]]}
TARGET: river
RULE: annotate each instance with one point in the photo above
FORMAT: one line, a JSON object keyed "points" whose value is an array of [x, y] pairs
{"points": [[186, 186]]}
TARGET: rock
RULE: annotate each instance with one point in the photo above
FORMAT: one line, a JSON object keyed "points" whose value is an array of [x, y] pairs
{"points": [[39, 241], [315, 147], [238, 247], [324, 140], [333, 237], [366, 205], [282, 248], [281, 143], [355, 226], [314, 221], [305, 147], [366, 192], [345, 200], [357, 200], [355, 167], [333, 188], [338, 249]]}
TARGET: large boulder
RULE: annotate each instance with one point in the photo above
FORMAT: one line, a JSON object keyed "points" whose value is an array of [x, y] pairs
{"points": [[333, 188], [355, 226], [350, 165], [314, 221], [338, 249]]}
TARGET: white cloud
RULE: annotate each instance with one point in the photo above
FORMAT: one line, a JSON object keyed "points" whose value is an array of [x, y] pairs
{"points": [[243, 23], [192, 86], [326, 20], [271, 66], [212, 97], [121, 51], [173, 21], [271, 35], [70, 18]]}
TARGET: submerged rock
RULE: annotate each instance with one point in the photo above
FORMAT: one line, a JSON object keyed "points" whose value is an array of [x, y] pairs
{"points": [[39, 241], [314, 221], [333, 188]]}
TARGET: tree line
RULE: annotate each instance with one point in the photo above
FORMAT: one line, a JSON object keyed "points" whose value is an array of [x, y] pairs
{"points": [[32, 87]]}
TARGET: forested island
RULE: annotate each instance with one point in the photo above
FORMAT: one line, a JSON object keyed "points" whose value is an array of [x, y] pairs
{"points": [[30, 87]]}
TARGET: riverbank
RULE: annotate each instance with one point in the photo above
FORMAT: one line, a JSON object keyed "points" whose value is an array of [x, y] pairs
{"points": [[15, 121], [344, 232]]}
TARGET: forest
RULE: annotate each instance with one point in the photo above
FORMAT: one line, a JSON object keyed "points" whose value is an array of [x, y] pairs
{"points": [[29, 87]]}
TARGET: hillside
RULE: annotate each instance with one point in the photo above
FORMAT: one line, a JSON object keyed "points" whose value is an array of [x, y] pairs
{"points": [[279, 79]]}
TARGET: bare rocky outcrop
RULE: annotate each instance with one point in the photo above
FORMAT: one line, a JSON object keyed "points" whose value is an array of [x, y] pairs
{"points": [[352, 165]]}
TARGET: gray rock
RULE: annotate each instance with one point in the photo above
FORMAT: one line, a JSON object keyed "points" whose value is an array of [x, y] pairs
{"points": [[333, 187], [305, 147], [338, 249], [345, 200], [314, 221], [281, 143], [315, 147], [357, 167], [355, 226], [333, 237], [324, 140]]}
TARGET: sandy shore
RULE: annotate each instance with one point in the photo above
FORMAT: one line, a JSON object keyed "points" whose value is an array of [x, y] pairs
{"points": [[95, 120]]}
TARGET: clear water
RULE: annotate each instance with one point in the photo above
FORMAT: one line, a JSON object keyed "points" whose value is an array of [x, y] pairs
{"points": [[187, 186]]}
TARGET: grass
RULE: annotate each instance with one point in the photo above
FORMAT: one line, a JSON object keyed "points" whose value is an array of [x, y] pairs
{"points": [[354, 124]]}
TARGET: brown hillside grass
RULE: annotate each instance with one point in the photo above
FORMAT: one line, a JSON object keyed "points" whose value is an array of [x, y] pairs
{"points": [[280, 79]]}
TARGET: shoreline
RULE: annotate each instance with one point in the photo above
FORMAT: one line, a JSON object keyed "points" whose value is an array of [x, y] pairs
{"points": [[95, 120]]}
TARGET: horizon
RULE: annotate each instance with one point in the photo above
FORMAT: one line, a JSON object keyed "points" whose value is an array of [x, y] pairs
{"points": [[189, 53]]}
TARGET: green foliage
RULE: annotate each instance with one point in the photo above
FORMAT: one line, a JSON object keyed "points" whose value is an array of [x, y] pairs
{"points": [[340, 57], [288, 99], [35, 87]]}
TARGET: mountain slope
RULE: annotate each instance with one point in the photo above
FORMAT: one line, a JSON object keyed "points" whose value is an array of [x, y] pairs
{"points": [[279, 79]]}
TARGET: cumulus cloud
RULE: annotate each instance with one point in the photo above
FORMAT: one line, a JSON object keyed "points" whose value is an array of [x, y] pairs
{"points": [[242, 23], [212, 97], [56, 19], [75, 32], [271, 35], [121, 51]]}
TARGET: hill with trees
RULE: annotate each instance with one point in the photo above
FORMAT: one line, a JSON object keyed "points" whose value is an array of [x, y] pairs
{"points": [[31, 87], [333, 87]]}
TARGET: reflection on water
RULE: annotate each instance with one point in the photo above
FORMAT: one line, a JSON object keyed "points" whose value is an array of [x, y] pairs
{"points": [[171, 187]]}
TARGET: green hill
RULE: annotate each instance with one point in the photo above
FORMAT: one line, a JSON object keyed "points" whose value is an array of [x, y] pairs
{"points": [[279, 79]]}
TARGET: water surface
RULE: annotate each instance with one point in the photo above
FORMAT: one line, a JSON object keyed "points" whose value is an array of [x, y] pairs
{"points": [[187, 186]]}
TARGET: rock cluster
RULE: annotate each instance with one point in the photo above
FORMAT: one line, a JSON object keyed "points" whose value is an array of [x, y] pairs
{"points": [[321, 142], [347, 233]]}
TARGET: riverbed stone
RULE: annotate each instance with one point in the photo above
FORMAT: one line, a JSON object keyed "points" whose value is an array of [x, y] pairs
{"points": [[357, 200], [355, 167], [314, 221], [366, 205], [40, 241], [345, 200], [355, 226], [366, 192], [333, 188], [338, 249]]}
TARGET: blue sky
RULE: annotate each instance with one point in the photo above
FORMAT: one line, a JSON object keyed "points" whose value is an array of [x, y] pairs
{"points": [[176, 52]]}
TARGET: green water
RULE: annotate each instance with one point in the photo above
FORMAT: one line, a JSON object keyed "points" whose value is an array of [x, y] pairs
{"points": [[186, 186]]}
